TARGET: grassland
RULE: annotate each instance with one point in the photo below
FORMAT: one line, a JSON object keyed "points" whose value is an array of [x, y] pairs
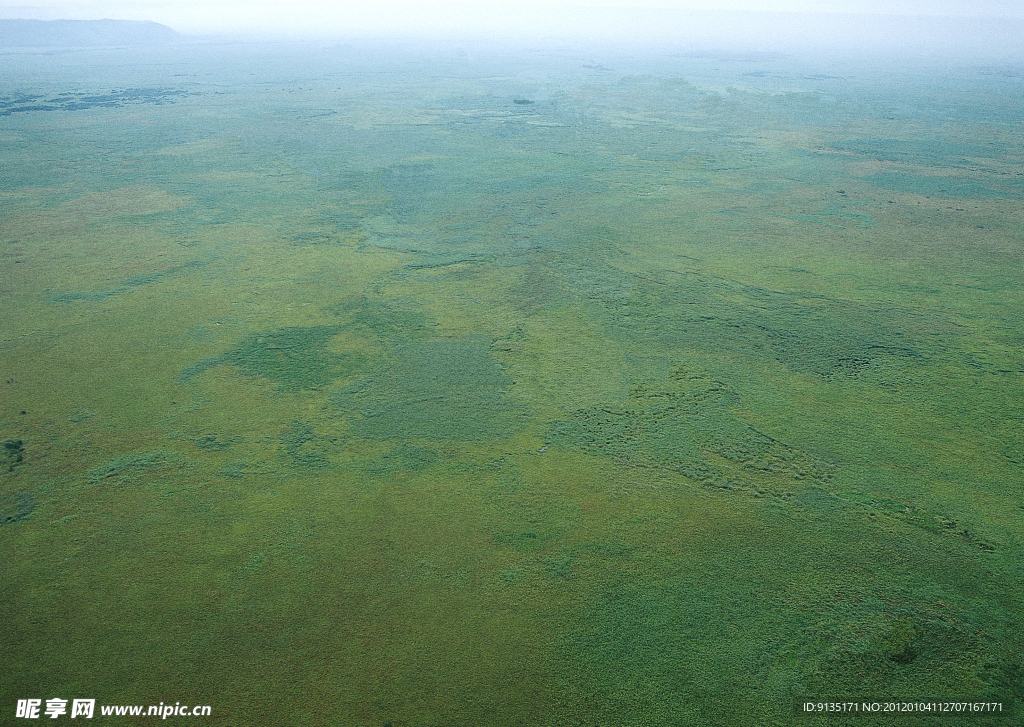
{"points": [[349, 387]]}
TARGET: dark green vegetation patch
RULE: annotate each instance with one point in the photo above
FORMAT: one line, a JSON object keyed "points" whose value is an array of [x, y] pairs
{"points": [[79, 101], [16, 507], [686, 426], [809, 334], [13, 453], [299, 357], [437, 389], [294, 358], [305, 446], [386, 324], [405, 457]]}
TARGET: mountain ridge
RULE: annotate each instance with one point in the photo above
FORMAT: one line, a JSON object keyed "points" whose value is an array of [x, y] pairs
{"points": [[83, 33]]}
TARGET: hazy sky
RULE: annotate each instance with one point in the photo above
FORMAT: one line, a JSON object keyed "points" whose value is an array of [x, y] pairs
{"points": [[531, 16]]}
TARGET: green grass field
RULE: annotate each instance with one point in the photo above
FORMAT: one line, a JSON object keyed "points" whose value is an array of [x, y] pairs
{"points": [[360, 386]]}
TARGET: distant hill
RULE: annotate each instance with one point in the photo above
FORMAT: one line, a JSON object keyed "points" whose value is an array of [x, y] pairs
{"points": [[82, 33]]}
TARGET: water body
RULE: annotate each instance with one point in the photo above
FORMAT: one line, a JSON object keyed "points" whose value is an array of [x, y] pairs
{"points": [[357, 384]]}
